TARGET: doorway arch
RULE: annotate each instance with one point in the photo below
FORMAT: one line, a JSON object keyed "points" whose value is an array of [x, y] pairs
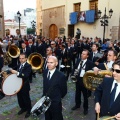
{"points": [[53, 31]]}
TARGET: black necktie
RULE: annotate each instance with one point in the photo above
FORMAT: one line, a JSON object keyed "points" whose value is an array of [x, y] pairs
{"points": [[80, 68], [112, 94], [21, 67], [48, 77]]}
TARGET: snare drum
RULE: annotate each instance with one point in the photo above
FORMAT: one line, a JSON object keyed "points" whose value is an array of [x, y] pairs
{"points": [[11, 84], [41, 106], [105, 117]]}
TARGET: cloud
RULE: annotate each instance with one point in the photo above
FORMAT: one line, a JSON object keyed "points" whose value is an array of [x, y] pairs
{"points": [[15, 5]]}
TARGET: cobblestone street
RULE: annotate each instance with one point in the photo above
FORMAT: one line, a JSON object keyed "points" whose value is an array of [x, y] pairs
{"points": [[9, 106]]}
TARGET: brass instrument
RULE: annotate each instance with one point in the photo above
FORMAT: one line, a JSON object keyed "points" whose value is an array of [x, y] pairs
{"points": [[73, 77], [91, 81], [36, 60], [13, 52]]}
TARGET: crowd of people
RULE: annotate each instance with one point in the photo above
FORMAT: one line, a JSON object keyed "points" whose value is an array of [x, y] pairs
{"points": [[61, 58]]}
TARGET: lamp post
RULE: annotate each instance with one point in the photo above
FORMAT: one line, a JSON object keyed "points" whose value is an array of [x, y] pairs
{"points": [[19, 18], [104, 20], [33, 23]]}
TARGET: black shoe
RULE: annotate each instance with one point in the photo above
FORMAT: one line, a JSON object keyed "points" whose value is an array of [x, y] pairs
{"points": [[27, 114], [75, 107], [21, 111], [85, 112]]}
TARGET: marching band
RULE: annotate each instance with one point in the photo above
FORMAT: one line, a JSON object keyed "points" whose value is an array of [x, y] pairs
{"points": [[65, 58]]}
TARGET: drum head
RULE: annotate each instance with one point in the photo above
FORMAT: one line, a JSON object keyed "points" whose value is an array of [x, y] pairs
{"points": [[38, 104], [12, 85]]}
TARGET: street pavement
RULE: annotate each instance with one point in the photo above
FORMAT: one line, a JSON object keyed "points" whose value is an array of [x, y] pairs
{"points": [[9, 106]]}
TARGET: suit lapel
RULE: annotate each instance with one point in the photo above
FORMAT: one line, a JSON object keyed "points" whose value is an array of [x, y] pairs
{"points": [[108, 90]]}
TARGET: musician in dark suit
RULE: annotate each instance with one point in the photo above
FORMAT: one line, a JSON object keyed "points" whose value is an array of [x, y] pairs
{"points": [[25, 49], [23, 71], [92, 56], [31, 45], [48, 53], [107, 95], [83, 65], [54, 86], [111, 57]]}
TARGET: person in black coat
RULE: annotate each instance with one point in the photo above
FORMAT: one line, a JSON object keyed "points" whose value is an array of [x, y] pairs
{"points": [[1, 66], [25, 49], [107, 95], [83, 65], [57, 82], [23, 71]]}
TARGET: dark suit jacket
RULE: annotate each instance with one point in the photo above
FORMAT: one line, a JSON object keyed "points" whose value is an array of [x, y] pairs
{"points": [[27, 52], [58, 83], [102, 95], [89, 66], [1, 62], [24, 74], [101, 66], [94, 59]]}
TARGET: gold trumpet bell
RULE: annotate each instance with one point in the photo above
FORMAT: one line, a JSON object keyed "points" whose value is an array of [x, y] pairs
{"points": [[92, 81], [13, 51], [36, 60]]}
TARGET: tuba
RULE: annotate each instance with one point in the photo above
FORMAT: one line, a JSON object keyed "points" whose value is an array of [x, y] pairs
{"points": [[36, 60], [13, 52], [92, 81]]}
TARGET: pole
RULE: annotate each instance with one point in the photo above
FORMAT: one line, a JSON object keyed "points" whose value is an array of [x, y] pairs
{"points": [[104, 26], [19, 24]]}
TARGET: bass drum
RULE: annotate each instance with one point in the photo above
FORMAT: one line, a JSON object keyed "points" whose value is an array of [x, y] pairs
{"points": [[41, 106], [106, 118], [11, 84]]}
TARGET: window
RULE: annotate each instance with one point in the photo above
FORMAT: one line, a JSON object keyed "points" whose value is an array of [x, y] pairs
{"points": [[94, 5], [77, 7]]}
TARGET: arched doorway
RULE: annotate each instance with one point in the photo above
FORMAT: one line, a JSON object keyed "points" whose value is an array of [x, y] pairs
{"points": [[53, 31]]}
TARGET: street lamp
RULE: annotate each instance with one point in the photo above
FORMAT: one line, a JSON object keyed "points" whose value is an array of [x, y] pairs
{"points": [[33, 23], [19, 18], [104, 20]]}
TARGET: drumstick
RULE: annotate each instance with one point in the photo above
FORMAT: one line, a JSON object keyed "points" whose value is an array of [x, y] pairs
{"points": [[63, 107], [109, 118], [97, 116]]}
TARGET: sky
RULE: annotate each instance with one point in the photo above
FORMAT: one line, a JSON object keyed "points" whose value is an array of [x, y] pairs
{"points": [[16, 5]]}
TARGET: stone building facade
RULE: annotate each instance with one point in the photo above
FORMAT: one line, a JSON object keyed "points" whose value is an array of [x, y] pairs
{"points": [[54, 17], [2, 30]]}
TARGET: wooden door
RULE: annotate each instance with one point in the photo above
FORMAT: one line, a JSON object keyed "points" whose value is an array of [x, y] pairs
{"points": [[53, 31]]}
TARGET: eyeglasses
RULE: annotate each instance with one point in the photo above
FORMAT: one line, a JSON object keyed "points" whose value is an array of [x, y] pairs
{"points": [[116, 70]]}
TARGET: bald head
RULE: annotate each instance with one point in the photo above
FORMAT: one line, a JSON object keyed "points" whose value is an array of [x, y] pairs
{"points": [[52, 62]]}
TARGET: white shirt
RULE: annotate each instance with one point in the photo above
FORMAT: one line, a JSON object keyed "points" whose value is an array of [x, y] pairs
{"points": [[22, 65], [117, 89], [83, 68], [109, 64], [51, 72]]}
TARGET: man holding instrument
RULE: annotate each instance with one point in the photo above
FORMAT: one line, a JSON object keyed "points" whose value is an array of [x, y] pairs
{"points": [[55, 87], [23, 71], [107, 95]]}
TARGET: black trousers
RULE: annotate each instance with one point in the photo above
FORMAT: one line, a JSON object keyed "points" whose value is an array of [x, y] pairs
{"points": [[54, 112], [24, 100], [81, 89]]}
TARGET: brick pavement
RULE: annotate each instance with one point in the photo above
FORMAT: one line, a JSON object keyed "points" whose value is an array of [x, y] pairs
{"points": [[9, 106]]}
